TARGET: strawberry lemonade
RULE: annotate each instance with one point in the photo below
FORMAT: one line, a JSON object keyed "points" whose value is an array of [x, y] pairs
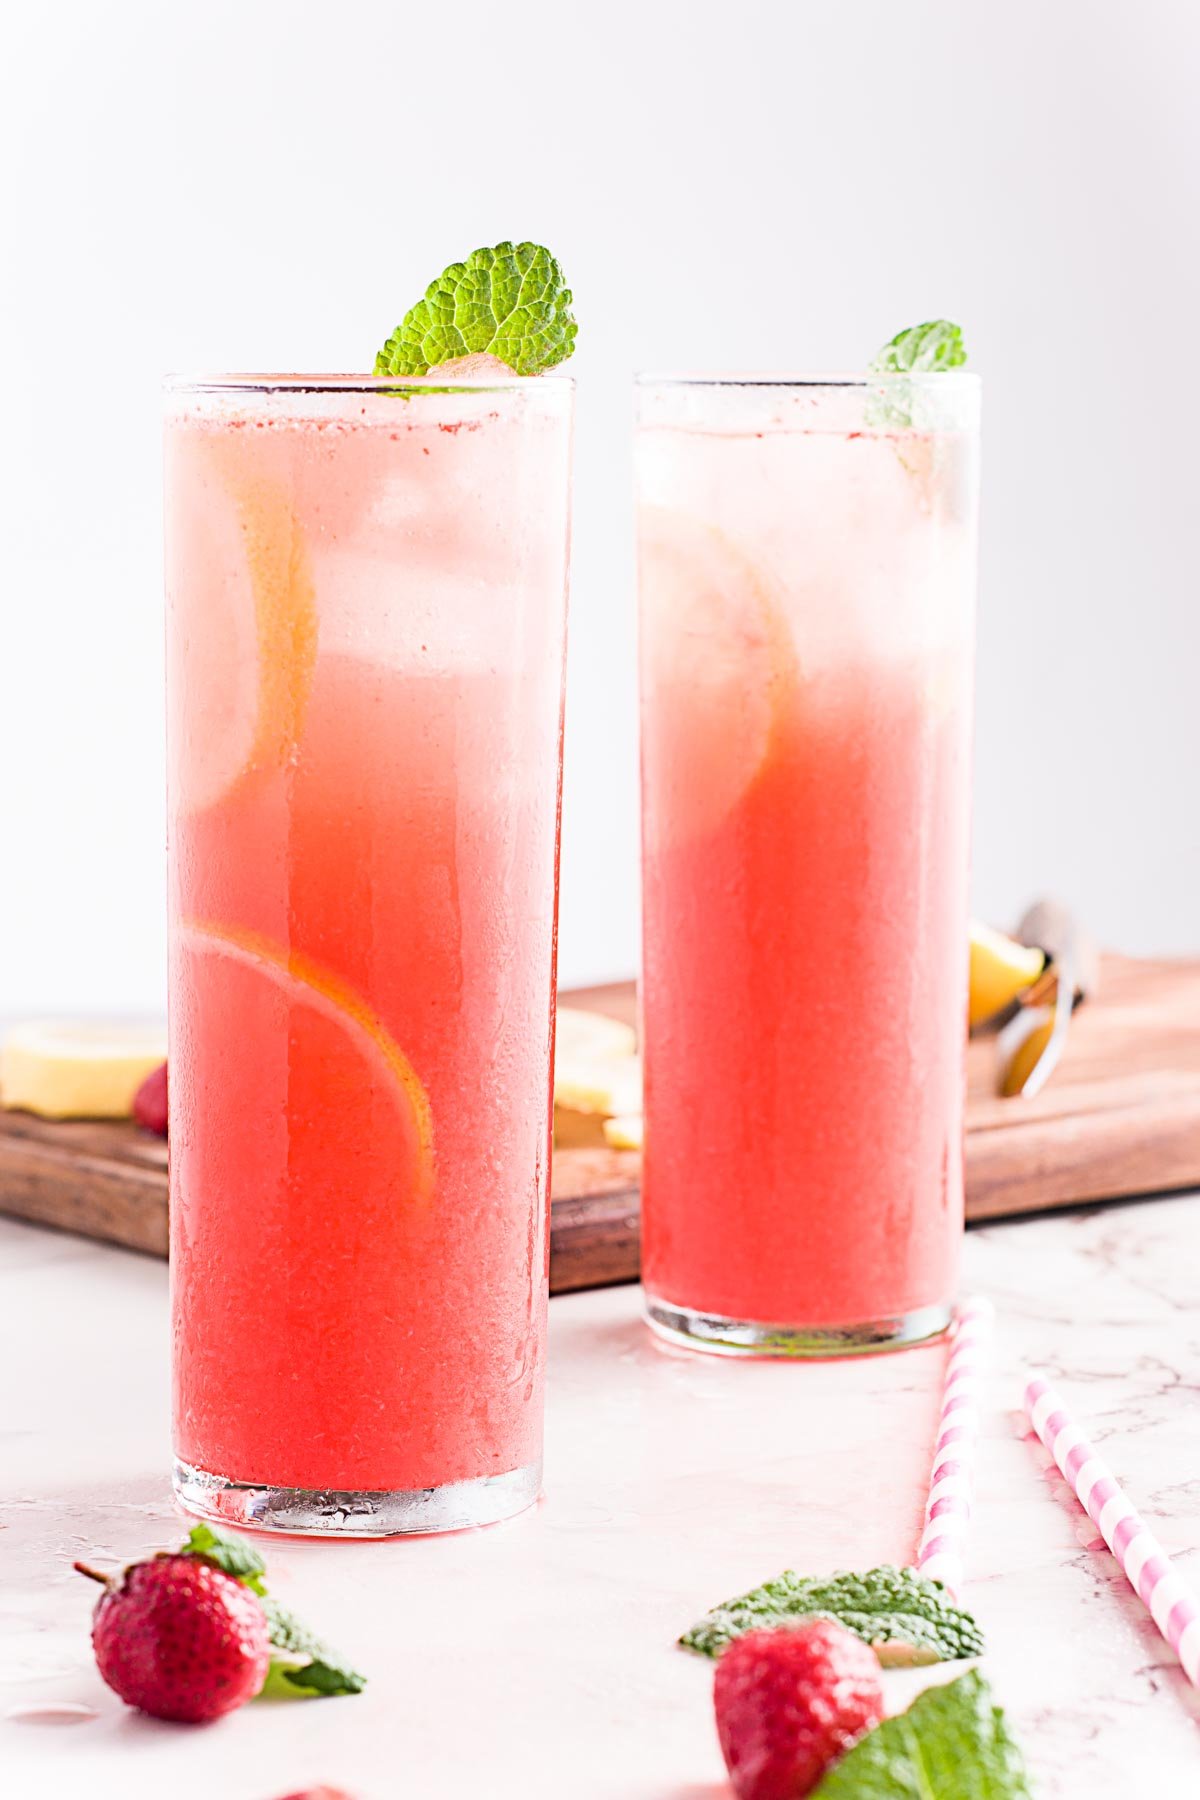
{"points": [[366, 619], [807, 578]]}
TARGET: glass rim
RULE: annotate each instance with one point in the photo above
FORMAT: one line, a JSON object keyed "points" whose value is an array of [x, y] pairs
{"points": [[865, 378], [433, 383]]}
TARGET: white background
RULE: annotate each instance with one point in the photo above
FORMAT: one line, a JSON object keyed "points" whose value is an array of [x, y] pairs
{"points": [[260, 184]]}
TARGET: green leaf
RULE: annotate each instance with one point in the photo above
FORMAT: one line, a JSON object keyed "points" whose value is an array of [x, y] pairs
{"points": [[233, 1554], [510, 302], [923, 349], [305, 1662], [905, 1617], [953, 1743], [319, 1677]]}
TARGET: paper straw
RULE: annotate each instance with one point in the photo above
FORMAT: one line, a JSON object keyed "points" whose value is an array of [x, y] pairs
{"points": [[941, 1551], [1171, 1603]]}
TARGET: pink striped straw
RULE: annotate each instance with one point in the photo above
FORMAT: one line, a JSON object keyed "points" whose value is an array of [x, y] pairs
{"points": [[943, 1543], [1171, 1603]]}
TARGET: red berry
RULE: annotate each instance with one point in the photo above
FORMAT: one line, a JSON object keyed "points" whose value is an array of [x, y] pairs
{"points": [[150, 1102], [180, 1639], [790, 1702], [319, 1793]]}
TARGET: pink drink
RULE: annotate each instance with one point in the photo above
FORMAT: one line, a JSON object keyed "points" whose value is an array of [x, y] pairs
{"points": [[807, 591], [366, 629]]}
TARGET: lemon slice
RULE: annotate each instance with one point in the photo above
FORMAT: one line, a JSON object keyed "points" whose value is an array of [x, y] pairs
{"points": [[77, 1069], [590, 1089], [607, 1085], [244, 637], [579, 1033], [307, 982], [718, 670], [625, 1133]]}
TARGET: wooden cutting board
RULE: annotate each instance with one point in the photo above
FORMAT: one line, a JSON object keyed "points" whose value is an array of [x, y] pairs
{"points": [[1119, 1117]]}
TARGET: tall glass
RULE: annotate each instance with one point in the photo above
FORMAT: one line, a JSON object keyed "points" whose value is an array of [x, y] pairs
{"points": [[807, 555], [366, 595]]}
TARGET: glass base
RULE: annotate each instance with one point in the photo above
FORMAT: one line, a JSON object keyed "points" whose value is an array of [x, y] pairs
{"points": [[320, 1512], [745, 1337]]}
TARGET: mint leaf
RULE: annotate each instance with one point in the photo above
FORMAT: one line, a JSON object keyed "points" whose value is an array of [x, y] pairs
{"points": [[905, 1617], [228, 1552], [304, 1661], [318, 1677], [953, 1743], [510, 302], [922, 349]]}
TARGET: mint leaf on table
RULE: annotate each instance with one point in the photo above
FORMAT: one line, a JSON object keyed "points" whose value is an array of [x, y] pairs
{"points": [[953, 1743], [905, 1617], [230, 1553], [509, 301], [303, 1661], [923, 349]]}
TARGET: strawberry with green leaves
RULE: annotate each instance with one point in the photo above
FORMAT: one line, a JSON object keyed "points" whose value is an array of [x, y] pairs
{"points": [[191, 1635]]}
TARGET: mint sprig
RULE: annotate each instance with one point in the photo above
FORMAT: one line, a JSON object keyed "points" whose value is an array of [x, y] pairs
{"points": [[922, 349], [953, 1740], [303, 1662], [933, 348], [905, 1617], [509, 301], [232, 1554]]}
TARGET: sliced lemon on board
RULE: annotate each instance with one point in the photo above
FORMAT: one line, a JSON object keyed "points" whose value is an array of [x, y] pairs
{"points": [[588, 1089], [244, 615], [78, 1069], [599, 1084], [579, 1033], [718, 669], [596, 1073], [307, 983], [626, 1133]]}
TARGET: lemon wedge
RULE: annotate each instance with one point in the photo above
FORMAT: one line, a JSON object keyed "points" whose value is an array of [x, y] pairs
{"points": [[1001, 969], [1033, 1027], [78, 1069]]}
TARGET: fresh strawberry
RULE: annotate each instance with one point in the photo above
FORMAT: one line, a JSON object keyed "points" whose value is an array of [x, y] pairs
{"points": [[150, 1102], [178, 1638], [790, 1702], [319, 1793]]}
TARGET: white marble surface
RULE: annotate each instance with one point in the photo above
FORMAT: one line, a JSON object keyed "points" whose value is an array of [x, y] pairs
{"points": [[536, 1659]]}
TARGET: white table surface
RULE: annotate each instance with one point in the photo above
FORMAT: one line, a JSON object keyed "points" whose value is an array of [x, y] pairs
{"points": [[536, 1659]]}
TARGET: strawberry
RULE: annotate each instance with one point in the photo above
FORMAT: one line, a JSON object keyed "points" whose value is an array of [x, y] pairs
{"points": [[179, 1639], [150, 1102], [790, 1702], [319, 1793]]}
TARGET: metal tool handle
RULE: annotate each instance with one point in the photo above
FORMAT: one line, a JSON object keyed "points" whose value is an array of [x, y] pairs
{"points": [[1054, 928]]}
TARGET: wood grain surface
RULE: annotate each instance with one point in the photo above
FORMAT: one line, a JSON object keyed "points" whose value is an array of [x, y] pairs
{"points": [[1120, 1117]]}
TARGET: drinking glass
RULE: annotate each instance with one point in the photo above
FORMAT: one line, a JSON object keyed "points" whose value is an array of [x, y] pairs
{"points": [[807, 556], [366, 596]]}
